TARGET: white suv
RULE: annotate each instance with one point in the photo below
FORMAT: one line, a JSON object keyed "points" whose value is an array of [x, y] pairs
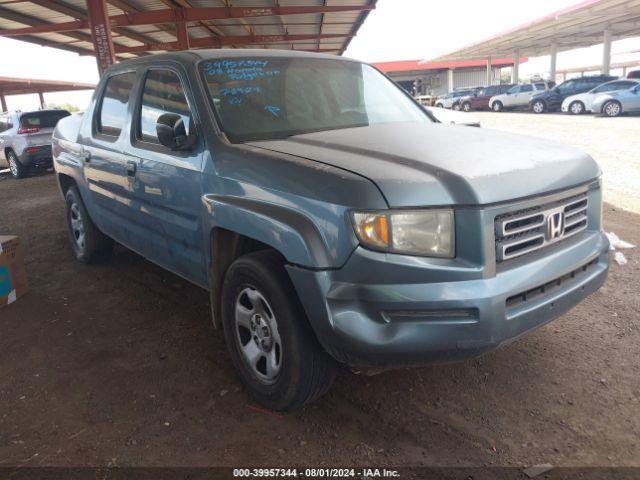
{"points": [[517, 97]]}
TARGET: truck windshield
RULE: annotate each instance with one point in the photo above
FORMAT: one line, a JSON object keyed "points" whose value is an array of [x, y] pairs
{"points": [[261, 98]]}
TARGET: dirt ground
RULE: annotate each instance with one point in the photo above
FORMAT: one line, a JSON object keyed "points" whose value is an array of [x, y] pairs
{"points": [[118, 364]]}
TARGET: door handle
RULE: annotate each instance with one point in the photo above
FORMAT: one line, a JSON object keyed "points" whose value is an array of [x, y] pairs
{"points": [[131, 168], [86, 155]]}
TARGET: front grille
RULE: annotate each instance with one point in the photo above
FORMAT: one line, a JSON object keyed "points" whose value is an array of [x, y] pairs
{"points": [[525, 231], [549, 287]]}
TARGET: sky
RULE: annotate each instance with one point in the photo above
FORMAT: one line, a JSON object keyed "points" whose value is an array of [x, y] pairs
{"points": [[395, 30]]}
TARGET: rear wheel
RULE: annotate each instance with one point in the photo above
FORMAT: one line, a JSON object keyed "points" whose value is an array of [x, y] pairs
{"points": [[497, 106], [576, 108], [538, 106], [439, 105], [17, 169], [456, 107], [268, 335], [88, 243], [612, 108]]}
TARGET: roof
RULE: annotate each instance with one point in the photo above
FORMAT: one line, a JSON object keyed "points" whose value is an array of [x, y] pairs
{"points": [[581, 25], [418, 65], [18, 86], [140, 26]]}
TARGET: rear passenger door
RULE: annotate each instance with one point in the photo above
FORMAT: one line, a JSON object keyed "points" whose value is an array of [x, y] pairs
{"points": [[104, 162], [165, 186]]}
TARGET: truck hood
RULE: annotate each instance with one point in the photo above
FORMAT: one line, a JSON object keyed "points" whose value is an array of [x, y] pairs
{"points": [[422, 164]]}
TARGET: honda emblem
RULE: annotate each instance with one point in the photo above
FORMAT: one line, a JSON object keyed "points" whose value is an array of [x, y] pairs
{"points": [[555, 225]]}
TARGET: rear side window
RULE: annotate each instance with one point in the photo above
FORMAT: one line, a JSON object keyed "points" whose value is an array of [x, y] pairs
{"points": [[113, 107], [526, 88], [42, 119], [163, 93]]}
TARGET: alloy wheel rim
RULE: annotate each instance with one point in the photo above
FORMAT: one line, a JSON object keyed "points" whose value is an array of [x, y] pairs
{"points": [[77, 226], [466, 107], [256, 331], [537, 107], [613, 109], [576, 108]]}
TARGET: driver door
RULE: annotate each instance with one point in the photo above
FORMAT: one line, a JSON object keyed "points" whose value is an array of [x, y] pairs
{"points": [[526, 92], [165, 185]]}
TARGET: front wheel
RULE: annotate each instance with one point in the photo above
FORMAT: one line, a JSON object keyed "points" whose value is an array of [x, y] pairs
{"points": [[88, 243], [612, 108], [576, 108], [268, 335], [497, 106], [538, 106], [466, 106], [17, 169]]}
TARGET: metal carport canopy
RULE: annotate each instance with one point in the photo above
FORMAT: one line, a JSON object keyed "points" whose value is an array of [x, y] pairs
{"points": [[582, 25], [112, 29], [21, 86]]}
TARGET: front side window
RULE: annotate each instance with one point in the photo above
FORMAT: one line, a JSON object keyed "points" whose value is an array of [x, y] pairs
{"points": [[162, 93], [515, 89], [567, 86], [269, 98], [113, 108]]}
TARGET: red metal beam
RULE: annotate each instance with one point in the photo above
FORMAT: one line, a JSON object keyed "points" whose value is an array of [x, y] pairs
{"points": [[101, 34], [209, 42], [177, 15]]}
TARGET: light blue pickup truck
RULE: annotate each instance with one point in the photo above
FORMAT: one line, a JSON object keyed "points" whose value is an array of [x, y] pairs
{"points": [[331, 218]]}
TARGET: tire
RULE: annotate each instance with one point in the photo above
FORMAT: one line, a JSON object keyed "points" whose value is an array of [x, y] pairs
{"points": [[87, 242], [576, 108], [612, 109], [17, 169], [497, 106], [289, 367], [456, 107], [466, 106], [538, 106], [439, 105]]}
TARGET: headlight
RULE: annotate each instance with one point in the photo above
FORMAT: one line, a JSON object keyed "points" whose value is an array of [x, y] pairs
{"points": [[414, 232]]}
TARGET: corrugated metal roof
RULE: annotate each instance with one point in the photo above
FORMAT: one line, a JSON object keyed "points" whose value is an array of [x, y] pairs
{"points": [[269, 31]]}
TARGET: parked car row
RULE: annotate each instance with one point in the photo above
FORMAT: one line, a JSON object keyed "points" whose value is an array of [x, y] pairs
{"points": [[600, 94], [551, 100]]}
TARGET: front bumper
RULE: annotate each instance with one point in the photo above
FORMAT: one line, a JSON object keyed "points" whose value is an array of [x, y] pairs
{"points": [[40, 156], [376, 312]]}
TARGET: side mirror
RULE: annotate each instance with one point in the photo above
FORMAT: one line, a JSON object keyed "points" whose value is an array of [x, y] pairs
{"points": [[172, 132]]}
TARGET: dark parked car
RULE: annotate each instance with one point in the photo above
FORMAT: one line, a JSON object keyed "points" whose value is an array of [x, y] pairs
{"points": [[551, 100], [25, 139], [480, 101], [332, 220], [635, 75]]}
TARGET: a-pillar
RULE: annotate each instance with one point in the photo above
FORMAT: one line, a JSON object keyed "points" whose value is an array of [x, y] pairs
{"points": [[101, 34], [554, 62], [515, 72], [606, 53]]}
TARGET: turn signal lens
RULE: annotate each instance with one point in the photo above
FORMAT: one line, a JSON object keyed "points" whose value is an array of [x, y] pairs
{"points": [[372, 229]]}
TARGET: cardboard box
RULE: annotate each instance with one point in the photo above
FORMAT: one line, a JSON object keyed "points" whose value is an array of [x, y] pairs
{"points": [[13, 276]]}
